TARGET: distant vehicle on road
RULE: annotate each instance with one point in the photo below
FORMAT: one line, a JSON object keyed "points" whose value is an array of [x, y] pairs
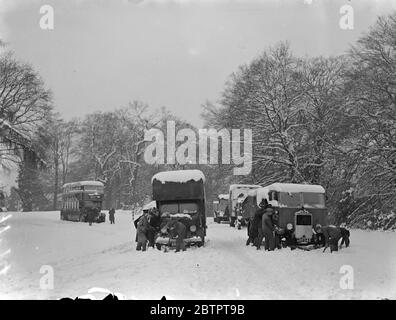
{"points": [[221, 211], [81, 198], [238, 193]]}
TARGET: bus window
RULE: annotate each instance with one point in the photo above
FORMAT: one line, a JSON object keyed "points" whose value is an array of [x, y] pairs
{"points": [[99, 189]]}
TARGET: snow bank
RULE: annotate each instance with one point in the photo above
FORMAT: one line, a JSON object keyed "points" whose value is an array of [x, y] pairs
{"points": [[104, 256], [179, 176]]}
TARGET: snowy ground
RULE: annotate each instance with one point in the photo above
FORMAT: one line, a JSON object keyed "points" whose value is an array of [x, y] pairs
{"points": [[104, 256]]}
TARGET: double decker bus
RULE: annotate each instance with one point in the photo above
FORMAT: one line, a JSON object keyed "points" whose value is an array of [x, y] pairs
{"points": [[81, 198]]}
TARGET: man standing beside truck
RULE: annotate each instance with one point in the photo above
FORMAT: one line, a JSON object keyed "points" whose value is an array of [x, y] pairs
{"points": [[267, 231]]}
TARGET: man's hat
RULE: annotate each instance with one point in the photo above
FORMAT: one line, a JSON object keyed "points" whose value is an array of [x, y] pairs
{"points": [[263, 202]]}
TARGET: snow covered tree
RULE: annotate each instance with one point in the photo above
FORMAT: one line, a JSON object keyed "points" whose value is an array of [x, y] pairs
{"points": [[25, 106], [372, 91]]}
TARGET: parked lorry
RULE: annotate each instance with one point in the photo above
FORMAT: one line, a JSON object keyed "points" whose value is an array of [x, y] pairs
{"points": [[298, 208], [180, 195], [237, 194]]}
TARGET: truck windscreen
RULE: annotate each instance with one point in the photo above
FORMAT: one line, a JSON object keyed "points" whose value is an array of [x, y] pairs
{"points": [[306, 199], [314, 200], [290, 199], [304, 220], [179, 207]]}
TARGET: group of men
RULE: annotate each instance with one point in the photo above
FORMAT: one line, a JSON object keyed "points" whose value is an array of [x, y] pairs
{"points": [[150, 224], [264, 226], [261, 227]]}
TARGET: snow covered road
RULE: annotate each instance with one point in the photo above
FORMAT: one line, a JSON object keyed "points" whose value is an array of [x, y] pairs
{"points": [[104, 256]]}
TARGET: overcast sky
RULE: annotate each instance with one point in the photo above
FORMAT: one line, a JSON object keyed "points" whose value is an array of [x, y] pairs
{"points": [[177, 54]]}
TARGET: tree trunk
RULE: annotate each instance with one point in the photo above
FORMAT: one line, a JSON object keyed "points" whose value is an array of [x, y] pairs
{"points": [[56, 183]]}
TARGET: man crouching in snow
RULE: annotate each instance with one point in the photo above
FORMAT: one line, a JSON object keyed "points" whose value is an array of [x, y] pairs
{"points": [[177, 229], [332, 235]]}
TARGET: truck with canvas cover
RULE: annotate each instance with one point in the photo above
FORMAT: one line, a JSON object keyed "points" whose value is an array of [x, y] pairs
{"points": [[221, 212], [298, 208], [237, 194], [180, 195]]}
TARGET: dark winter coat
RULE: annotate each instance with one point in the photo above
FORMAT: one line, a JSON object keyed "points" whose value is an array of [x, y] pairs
{"points": [[91, 215], [267, 224], [141, 231], [177, 230], [255, 225], [333, 234], [153, 228], [155, 221], [267, 232], [345, 234]]}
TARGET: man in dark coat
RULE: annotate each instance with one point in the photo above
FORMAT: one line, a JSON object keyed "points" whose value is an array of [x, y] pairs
{"points": [[279, 233], [90, 215], [226, 212], [154, 226], [177, 229], [345, 234], [332, 235], [267, 230], [111, 216], [141, 233], [254, 225]]}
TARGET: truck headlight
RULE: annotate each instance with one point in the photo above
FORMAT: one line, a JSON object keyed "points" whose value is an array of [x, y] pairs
{"points": [[289, 226], [193, 228]]}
